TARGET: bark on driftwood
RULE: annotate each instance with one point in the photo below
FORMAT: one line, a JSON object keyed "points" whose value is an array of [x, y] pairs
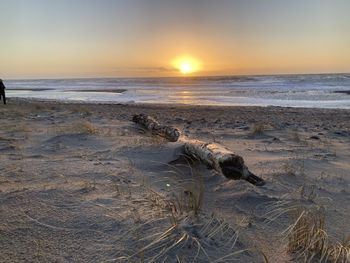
{"points": [[170, 133], [222, 160], [213, 155]]}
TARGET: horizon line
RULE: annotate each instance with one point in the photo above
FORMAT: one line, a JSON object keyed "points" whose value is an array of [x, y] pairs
{"points": [[182, 77]]}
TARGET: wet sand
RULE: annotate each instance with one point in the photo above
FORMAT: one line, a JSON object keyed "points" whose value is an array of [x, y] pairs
{"points": [[80, 90], [82, 183]]}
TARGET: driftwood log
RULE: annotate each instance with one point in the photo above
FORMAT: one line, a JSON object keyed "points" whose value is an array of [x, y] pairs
{"points": [[170, 133], [215, 156], [222, 160]]}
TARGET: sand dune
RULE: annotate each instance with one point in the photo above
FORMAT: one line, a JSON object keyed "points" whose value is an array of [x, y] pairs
{"points": [[82, 183]]}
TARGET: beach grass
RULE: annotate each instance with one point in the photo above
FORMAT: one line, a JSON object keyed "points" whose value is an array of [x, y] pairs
{"points": [[308, 238]]}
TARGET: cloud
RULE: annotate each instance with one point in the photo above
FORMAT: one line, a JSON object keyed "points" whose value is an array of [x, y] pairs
{"points": [[156, 69], [147, 70]]}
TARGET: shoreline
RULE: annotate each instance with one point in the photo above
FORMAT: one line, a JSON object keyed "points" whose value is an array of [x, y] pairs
{"points": [[80, 90], [165, 105]]}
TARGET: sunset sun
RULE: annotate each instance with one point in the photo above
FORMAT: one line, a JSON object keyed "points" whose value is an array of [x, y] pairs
{"points": [[186, 68], [186, 65]]}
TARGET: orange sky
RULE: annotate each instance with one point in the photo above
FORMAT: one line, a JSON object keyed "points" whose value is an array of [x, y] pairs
{"points": [[105, 38]]}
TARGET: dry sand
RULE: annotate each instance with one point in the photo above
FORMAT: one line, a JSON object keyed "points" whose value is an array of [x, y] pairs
{"points": [[82, 183]]}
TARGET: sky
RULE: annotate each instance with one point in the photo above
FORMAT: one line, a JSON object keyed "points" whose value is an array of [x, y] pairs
{"points": [[141, 38]]}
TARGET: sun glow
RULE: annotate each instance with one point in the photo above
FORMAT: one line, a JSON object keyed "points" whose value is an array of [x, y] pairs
{"points": [[186, 65]]}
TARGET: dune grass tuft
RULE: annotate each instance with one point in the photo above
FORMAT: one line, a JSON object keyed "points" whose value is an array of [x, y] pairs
{"points": [[182, 232], [88, 128], [308, 239], [83, 127], [306, 235], [192, 239], [295, 136], [258, 129]]}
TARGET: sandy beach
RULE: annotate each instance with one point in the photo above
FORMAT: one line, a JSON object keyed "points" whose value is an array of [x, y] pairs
{"points": [[83, 183]]}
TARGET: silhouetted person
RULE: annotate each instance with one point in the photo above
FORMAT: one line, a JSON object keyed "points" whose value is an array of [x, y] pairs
{"points": [[2, 91]]}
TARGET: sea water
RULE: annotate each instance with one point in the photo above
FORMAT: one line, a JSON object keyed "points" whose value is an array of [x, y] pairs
{"points": [[318, 91]]}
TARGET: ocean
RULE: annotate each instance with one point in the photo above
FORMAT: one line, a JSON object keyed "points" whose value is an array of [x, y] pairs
{"points": [[317, 91]]}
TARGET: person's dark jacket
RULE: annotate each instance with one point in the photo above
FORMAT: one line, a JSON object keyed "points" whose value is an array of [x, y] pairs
{"points": [[2, 91], [2, 86]]}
